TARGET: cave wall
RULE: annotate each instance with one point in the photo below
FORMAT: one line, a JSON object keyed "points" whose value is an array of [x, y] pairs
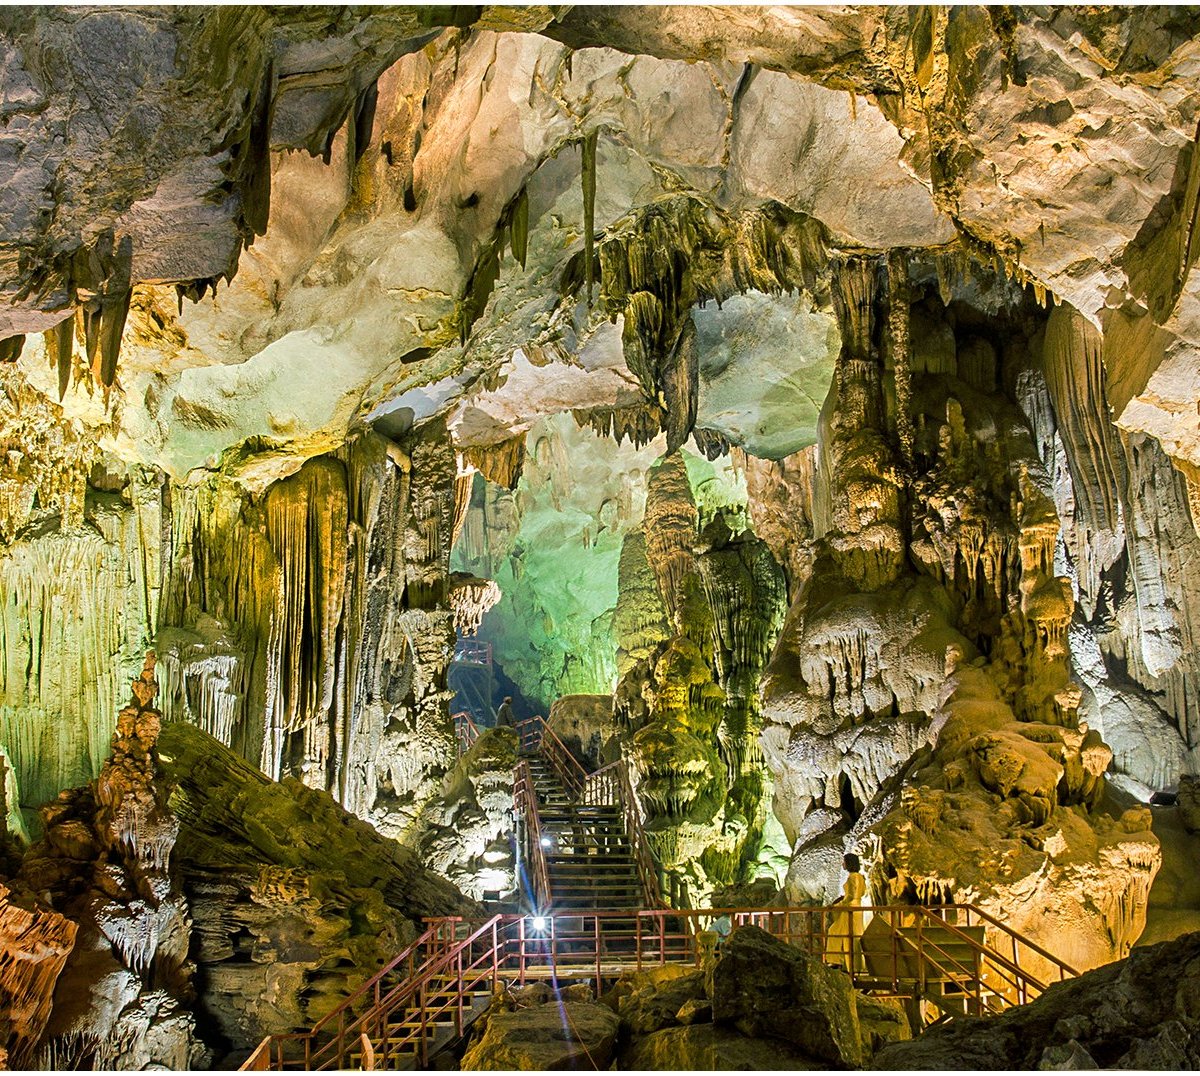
{"points": [[312, 630], [920, 704]]}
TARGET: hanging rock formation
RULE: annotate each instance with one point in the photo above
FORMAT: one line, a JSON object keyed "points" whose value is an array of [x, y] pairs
{"points": [[321, 649]]}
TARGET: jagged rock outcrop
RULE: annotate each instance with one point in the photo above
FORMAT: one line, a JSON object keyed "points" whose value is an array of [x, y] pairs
{"points": [[1138, 1013], [766, 988], [34, 947], [124, 997], [924, 671], [322, 649], [469, 834], [586, 727], [294, 901]]}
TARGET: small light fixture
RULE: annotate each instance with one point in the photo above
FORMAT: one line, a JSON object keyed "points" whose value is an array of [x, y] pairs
{"points": [[547, 842], [538, 924]]}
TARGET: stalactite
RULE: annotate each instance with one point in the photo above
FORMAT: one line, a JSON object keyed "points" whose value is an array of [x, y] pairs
{"points": [[59, 342], [500, 464], [471, 598], [589, 210], [463, 484], [520, 227], [640, 423], [898, 318], [79, 608], [657, 263], [10, 348], [320, 651]]}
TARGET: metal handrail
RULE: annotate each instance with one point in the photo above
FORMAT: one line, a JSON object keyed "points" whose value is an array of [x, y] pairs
{"points": [[529, 734], [376, 1017], [465, 731], [472, 652], [612, 784], [603, 944], [526, 803], [566, 766], [1065, 970]]}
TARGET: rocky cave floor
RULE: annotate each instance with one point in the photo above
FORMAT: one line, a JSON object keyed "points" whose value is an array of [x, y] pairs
{"points": [[760, 1004]]}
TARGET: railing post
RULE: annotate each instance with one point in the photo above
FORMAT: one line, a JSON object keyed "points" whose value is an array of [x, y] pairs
{"points": [[521, 944], [421, 1046], [596, 921]]}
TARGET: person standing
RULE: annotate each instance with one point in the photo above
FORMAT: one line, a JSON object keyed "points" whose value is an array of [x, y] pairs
{"points": [[505, 719], [844, 938]]}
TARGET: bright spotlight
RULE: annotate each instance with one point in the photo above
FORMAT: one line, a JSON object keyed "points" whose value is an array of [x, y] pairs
{"points": [[538, 923], [547, 842]]}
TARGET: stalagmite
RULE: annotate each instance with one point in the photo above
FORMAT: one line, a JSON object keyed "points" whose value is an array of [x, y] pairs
{"points": [[670, 532], [105, 863]]}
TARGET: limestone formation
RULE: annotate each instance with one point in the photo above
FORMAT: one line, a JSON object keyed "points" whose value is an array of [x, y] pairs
{"points": [[321, 649], [34, 947], [689, 710], [798, 404], [294, 901], [468, 835], [124, 998], [924, 672]]}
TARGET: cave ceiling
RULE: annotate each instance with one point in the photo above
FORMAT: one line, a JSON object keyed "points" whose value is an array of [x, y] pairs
{"points": [[345, 192]]}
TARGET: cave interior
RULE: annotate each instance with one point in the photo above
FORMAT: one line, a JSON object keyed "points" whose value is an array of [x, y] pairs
{"points": [[731, 471]]}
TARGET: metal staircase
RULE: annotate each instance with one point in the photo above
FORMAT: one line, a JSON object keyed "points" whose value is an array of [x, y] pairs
{"points": [[589, 858], [595, 913], [581, 843]]}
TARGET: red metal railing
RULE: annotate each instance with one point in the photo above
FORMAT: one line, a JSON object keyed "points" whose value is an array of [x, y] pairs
{"points": [[534, 852], [566, 766], [934, 956], [610, 785], [537, 737], [466, 731], [472, 652]]}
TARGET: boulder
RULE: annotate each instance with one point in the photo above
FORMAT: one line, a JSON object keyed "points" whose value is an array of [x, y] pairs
{"points": [[1139, 1013], [881, 1021], [585, 725], [1189, 802], [573, 1035], [706, 1047], [764, 987], [695, 1011], [655, 1005]]}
